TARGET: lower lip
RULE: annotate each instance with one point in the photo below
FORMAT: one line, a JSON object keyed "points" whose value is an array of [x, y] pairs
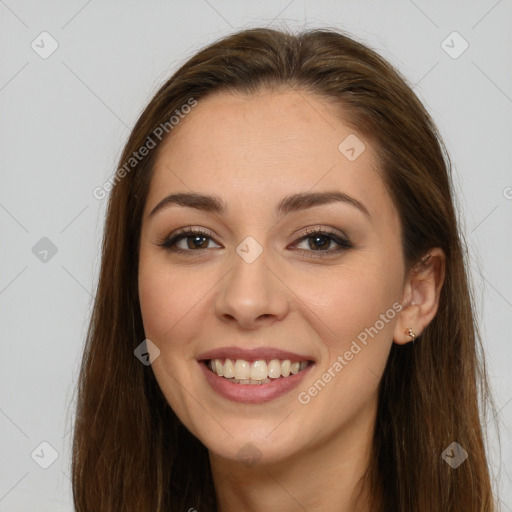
{"points": [[253, 393]]}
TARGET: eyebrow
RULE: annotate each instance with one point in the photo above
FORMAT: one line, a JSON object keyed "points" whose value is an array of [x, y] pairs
{"points": [[291, 203]]}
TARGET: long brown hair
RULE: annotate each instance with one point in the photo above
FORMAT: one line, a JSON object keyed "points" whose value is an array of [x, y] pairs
{"points": [[131, 452]]}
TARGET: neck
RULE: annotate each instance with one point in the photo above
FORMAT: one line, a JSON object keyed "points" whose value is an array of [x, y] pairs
{"points": [[325, 476]]}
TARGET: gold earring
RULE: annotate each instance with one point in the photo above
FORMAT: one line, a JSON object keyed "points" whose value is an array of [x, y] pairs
{"points": [[410, 333]]}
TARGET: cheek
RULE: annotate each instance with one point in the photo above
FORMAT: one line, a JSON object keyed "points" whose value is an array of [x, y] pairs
{"points": [[350, 301], [168, 299], [355, 319], [157, 305]]}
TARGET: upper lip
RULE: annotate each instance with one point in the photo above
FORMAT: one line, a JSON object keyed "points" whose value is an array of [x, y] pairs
{"points": [[254, 354]]}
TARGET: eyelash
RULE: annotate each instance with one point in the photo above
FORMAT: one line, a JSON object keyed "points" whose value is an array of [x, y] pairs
{"points": [[169, 242]]}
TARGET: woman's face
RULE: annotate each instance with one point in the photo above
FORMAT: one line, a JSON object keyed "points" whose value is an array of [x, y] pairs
{"points": [[258, 278]]}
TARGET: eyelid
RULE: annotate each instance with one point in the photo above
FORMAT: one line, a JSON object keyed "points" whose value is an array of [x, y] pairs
{"points": [[182, 233], [326, 230], [337, 236]]}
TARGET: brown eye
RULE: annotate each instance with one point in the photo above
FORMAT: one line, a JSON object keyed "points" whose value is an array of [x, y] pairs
{"points": [[188, 240], [320, 241]]}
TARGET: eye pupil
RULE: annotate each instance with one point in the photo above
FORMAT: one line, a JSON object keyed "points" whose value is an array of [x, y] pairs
{"points": [[195, 239], [321, 245]]}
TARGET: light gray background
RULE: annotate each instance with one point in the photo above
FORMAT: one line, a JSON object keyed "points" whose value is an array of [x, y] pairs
{"points": [[64, 120]]}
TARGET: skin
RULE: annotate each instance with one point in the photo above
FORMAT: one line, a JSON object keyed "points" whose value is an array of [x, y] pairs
{"points": [[253, 150]]}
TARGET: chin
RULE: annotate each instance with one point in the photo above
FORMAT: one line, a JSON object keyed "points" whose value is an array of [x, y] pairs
{"points": [[251, 445]]}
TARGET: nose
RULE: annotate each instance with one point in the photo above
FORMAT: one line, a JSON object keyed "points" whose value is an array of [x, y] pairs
{"points": [[252, 295]]}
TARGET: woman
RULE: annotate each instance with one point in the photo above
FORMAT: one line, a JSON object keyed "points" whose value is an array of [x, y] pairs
{"points": [[283, 319]]}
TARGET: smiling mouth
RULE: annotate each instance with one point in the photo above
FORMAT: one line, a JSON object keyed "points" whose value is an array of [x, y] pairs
{"points": [[240, 371]]}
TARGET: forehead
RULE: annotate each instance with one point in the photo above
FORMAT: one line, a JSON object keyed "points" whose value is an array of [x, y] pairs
{"points": [[263, 146]]}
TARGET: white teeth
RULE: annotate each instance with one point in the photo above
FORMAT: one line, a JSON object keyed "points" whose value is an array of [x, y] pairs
{"points": [[259, 370], [229, 369], [274, 369], [240, 371], [218, 367], [294, 368]]}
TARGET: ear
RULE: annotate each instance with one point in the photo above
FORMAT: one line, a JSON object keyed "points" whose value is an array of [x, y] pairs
{"points": [[420, 295]]}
